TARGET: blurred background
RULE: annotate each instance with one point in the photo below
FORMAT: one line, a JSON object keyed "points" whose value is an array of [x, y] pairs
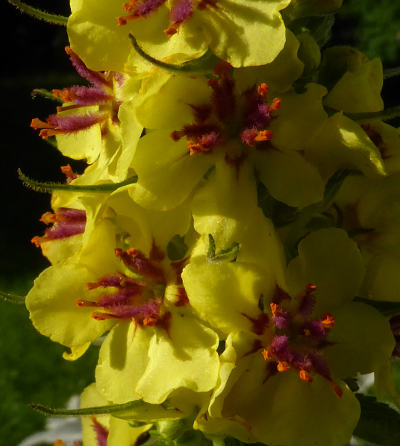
{"points": [[32, 56]]}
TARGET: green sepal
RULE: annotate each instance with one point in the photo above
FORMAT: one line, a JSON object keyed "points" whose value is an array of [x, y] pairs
{"points": [[378, 423], [388, 309], [309, 218], [136, 410], [280, 213], [202, 65], [176, 248], [39, 186], [45, 94], [225, 255], [334, 183], [55, 19], [12, 298]]}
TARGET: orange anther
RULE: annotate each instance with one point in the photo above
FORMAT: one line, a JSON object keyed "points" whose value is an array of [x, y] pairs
{"points": [[38, 124], [305, 376], [36, 241], [266, 354], [311, 287], [263, 135], [328, 320], [59, 443], [173, 29], [262, 89], [275, 308], [276, 103], [68, 172], [149, 321], [283, 366], [63, 94], [48, 218], [307, 332]]}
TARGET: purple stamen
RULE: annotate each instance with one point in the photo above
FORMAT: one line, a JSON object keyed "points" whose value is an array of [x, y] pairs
{"points": [[95, 78], [89, 96], [100, 431], [307, 305], [181, 11], [73, 123]]}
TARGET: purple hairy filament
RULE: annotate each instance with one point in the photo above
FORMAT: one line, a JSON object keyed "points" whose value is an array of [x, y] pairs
{"points": [[126, 298], [222, 119], [65, 223], [296, 340], [181, 11], [99, 93], [100, 432]]}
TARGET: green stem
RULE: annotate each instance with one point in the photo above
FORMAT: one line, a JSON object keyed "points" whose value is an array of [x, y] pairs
{"points": [[115, 409], [45, 94], [12, 298], [98, 410], [55, 19], [96, 188], [203, 65], [384, 115], [391, 72]]}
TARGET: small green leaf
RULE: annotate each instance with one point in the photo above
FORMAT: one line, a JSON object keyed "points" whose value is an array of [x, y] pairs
{"points": [[12, 298], [95, 188], [225, 255], [334, 183], [280, 213], [176, 248], [378, 423], [39, 14], [202, 65], [211, 247]]}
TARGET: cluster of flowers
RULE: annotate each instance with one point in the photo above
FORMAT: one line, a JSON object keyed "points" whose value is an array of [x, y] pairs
{"points": [[239, 210]]}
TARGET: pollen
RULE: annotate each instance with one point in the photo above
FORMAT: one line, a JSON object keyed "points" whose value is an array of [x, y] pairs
{"points": [[263, 135], [275, 308], [276, 103], [283, 366], [305, 376], [328, 321], [266, 354], [48, 218], [262, 89]]}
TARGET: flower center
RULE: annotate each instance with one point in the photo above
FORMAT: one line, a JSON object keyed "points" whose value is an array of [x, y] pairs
{"points": [[296, 339], [101, 93], [65, 223], [139, 294], [229, 116]]}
